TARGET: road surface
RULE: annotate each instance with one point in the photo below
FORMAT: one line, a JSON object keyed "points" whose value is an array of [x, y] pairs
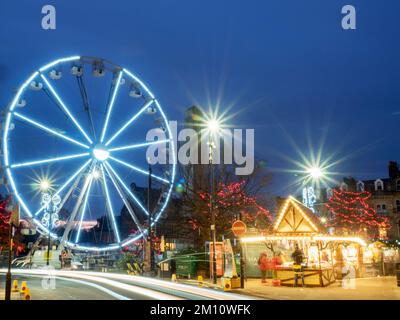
{"points": [[85, 285]]}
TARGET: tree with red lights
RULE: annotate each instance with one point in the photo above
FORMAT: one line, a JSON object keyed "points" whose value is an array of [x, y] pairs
{"points": [[230, 202], [234, 197], [4, 224], [5, 229], [351, 213]]}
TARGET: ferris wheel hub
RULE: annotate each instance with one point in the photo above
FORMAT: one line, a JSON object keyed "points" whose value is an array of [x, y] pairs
{"points": [[100, 152]]}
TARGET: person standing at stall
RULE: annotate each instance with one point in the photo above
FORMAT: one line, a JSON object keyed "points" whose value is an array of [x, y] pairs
{"points": [[263, 266], [276, 261], [298, 257], [172, 266]]}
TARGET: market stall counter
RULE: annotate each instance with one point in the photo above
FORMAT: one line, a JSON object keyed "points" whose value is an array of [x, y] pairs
{"points": [[313, 277]]}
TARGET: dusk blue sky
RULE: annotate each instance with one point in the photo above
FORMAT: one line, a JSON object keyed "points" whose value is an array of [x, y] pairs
{"points": [[286, 67]]}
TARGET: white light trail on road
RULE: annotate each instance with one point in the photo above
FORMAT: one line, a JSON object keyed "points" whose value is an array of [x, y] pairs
{"points": [[189, 289], [99, 278], [87, 283]]}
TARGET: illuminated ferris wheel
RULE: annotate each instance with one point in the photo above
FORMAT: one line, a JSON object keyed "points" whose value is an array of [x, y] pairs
{"points": [[77, 129]]}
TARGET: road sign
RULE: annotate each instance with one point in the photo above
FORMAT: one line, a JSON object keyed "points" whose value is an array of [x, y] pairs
{"points": [[239, 228]]}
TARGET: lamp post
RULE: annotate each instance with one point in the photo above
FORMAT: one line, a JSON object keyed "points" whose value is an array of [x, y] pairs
{"points": [[10, 252], [151, 258], [14, 222], [213, 127]]}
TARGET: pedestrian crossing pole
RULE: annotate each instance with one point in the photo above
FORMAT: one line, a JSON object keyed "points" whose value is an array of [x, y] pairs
{"points": [[8, 276]]}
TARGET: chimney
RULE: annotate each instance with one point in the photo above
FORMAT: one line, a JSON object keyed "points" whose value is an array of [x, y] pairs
{"points": [[393, 170]]}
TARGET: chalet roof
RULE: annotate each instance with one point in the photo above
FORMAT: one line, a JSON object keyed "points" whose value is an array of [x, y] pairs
{"points": [[295, 218]]}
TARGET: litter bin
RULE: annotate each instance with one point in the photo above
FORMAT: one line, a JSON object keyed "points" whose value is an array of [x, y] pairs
{"points": [[398, 274], [186, 266]]}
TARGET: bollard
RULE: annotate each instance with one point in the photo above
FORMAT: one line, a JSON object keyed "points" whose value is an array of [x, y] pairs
{"points": [[15, 286], [226, 282], [27, 294], [24, 286], [200, 281], [173, 277]]}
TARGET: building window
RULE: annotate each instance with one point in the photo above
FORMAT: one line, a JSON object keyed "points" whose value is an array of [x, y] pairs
{"points": [[381, 208], [398, 185], [397, 205], [360, 186], [378, 185], [344, 187]]}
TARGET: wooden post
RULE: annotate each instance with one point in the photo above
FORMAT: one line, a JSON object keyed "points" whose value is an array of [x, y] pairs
{"points": [[360, 258]]}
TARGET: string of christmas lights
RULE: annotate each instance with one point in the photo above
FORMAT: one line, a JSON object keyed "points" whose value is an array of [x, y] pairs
{"points": [[351, 211], [232, 197]]}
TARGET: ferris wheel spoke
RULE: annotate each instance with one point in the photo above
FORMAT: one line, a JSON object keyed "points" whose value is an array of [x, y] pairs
{"points": [[84, 209], [71, 221], [85, 100], [124, 199], [133, 118], [76, 173], [108, 165], [57, 159], [139, 145], [139, 170], [65, 108], [111, 105], [109, 204], [47, 129]]}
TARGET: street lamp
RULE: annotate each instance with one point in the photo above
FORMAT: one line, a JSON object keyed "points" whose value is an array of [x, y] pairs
{"points": [[315, 172], [44, 185], [213, 127]]}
